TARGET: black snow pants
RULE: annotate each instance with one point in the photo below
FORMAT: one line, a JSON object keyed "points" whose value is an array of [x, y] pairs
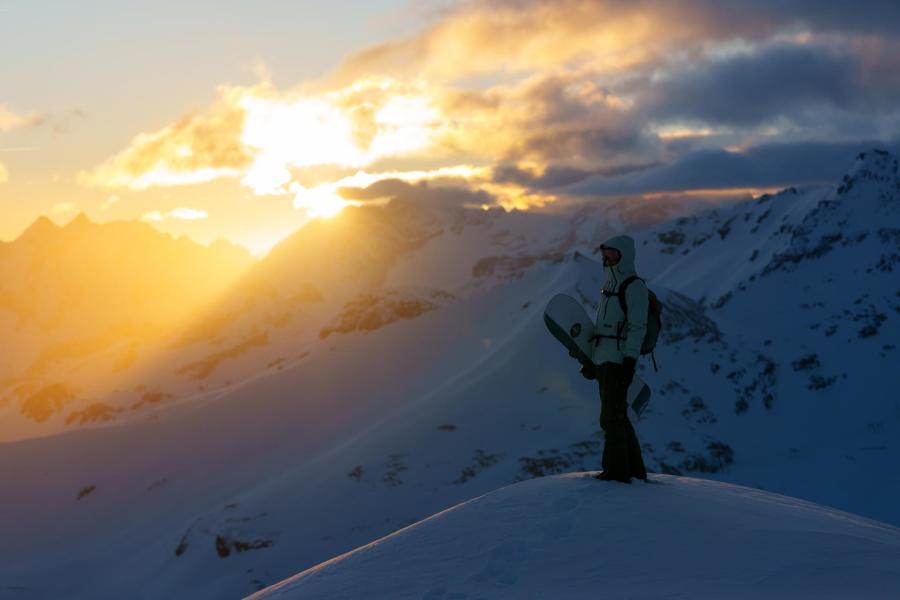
{"points": [[621, 450]]}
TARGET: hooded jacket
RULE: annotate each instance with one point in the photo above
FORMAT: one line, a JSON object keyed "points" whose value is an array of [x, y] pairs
{"points": [[610, 318]]}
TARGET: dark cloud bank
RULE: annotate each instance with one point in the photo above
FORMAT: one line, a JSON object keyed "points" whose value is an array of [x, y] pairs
{"points": [[760, 167]]}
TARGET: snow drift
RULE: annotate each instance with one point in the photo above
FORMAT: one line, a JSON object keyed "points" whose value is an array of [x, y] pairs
{"points": [[572, 536]]}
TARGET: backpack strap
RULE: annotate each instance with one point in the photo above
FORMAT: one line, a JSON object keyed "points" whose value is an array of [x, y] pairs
{"points": [[621, 293]]}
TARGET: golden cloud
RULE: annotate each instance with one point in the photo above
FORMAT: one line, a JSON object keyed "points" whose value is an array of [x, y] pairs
{"points": [[371, 119], [260, 134], [563, 117], [10, 120], [180, 213], [198, 147], [263, 136], [62, 208], [188, 214], [399, 101], [500, 36], [4, 174]]}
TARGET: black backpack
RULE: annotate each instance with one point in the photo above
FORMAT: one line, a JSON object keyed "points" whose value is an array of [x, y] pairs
{"points": [[654, 316]]}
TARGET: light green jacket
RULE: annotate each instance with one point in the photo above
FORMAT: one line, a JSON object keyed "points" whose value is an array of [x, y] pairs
{"points": [[610, 318]]}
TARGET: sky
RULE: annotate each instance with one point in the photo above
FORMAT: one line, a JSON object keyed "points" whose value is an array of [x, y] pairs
{"points": [[243, 120]]}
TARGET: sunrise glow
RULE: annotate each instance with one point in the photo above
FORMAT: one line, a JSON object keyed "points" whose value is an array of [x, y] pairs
{"points": [[321, 201], [316, 299], [504, 105]]}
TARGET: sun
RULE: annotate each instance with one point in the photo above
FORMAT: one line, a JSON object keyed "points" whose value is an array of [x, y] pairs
{"points": [[321, 201], [349, 128]]}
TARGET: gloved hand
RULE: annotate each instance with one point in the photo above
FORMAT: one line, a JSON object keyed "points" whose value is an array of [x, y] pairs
{"points": [[589, 371], [628, 365]]}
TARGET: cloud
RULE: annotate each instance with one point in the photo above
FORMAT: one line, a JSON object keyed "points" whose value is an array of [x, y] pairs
{"points": [[562, 116], [198, 147], [553, 177], [860, 16], [725, 62], [460, 186], [537, 96], [260, 134], [355, 126], [763, 166], [62, 208], [10, 120], [327, 199], [507, 36], [109, 202], [781, 81], [423, 191], [180, 213], [485, 37], [187, 214], [4, 173]]}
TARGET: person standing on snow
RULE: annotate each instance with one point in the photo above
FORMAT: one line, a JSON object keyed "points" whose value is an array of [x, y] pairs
{"points": [[617, 346]]}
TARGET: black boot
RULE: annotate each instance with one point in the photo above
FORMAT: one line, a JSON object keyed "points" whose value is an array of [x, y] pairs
{"points": [[607, 476]]}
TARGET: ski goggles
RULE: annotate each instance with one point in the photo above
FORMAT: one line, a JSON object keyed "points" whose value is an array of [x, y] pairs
{"points": [[610, 252]]}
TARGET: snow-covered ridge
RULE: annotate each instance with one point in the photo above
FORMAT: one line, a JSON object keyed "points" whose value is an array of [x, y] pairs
{"points": [[878, 166], [722, 252], [571, 536]]}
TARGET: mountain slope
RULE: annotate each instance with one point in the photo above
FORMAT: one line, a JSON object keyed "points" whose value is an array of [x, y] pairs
{"points": [[83, 304], [245, 486], [293, 442], [111, 319], [803, 278], [569, 536]]}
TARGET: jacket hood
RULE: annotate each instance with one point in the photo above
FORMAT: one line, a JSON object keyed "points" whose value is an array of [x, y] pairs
{"points": [[625, 245]]}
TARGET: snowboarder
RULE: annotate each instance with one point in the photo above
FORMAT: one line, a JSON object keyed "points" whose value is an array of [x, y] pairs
{"points": [[617, 347]]}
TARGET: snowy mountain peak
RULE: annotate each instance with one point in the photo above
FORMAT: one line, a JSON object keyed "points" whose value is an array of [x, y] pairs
{"points": [[875, 163], [81, 220], [878, 167], [41, 227]]}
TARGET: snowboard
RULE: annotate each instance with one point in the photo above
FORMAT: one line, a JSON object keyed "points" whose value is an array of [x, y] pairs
{"points": [[571, 325]]}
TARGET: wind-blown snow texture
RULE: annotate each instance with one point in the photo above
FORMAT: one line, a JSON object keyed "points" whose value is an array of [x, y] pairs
{"points": [[569, 536], [438, 382]]}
